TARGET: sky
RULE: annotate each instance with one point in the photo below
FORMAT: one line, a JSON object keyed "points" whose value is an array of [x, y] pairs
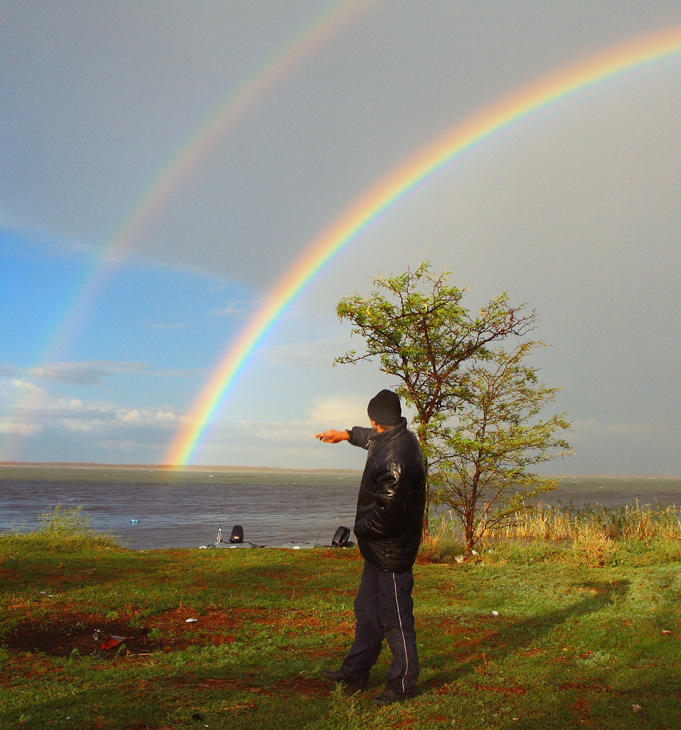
{"points": [[163, 164]]}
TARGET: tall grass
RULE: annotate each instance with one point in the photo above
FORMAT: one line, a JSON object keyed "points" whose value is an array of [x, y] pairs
{"points": [[62, 527], [593, 534], [620, 522]]}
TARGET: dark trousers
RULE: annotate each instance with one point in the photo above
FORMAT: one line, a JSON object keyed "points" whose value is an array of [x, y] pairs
{"points": [[384, 609]]}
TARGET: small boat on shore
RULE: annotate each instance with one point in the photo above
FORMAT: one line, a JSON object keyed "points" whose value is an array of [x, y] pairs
{"points": [[236, 541]]}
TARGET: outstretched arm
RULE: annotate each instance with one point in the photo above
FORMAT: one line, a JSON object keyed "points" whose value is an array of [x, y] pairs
{"points": [[332, 436]]}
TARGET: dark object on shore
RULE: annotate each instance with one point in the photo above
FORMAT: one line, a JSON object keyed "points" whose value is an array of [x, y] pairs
{"points": [[237, 534], [236, 540], [340, 539]]}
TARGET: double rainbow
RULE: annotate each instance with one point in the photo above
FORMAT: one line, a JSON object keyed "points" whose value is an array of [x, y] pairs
{"points": [[518, 107]]}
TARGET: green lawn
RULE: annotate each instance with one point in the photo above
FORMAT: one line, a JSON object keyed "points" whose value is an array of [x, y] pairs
{"points": [[526, 637]]}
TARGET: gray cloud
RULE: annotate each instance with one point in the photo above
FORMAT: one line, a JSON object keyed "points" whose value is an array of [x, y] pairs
{"points": [[93, 372], [229, 310], [84, 373]]}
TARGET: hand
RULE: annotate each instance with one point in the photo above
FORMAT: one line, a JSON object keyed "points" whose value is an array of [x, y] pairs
{"points": [[332, 436]]}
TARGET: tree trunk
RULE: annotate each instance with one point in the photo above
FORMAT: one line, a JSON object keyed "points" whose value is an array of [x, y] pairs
{"points": [[426, 515], [426, 512]]}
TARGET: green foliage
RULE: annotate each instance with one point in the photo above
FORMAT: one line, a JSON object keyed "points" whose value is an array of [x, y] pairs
{"points": [[485, 452], [418, 329], [62, 522]]}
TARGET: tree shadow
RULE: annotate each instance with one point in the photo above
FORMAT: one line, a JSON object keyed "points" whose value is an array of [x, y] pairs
{"points": [[561, 699], [514, 637]]}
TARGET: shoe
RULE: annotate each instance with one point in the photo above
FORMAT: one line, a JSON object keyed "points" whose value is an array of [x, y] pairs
{"points": [[388, 697], [338, 676]]}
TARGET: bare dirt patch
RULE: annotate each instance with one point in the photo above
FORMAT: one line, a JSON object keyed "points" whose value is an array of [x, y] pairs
{"points": [[81, 633], [67, 634]]}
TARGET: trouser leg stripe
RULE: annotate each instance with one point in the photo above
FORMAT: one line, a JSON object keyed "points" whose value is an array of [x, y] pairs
{"points": [[404, 641]]}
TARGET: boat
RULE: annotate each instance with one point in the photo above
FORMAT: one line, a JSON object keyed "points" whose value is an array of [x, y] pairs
{"points": [[236, 541]]}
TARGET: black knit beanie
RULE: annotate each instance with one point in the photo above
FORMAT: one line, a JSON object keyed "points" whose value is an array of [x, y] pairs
{"points": [[384, 409]]}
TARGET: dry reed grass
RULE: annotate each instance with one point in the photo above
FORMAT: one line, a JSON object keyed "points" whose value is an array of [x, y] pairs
{"points": [[592, 529], [564, 522]]}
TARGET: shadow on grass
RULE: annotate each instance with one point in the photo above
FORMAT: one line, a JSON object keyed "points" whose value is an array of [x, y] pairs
{"points": [[271, 691], [147, 698], [550, 696], [192, 575], [515, 637]]}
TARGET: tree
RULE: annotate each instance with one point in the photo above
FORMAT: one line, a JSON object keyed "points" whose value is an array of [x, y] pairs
{"points": [[418, 329], [485, 451]]}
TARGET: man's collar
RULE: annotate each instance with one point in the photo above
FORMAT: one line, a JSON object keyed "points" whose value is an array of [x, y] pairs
{"points": [[391, 433]]}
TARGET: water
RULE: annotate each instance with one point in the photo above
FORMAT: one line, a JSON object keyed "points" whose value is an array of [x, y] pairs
{"points": [[610, 491], [185, 508]]}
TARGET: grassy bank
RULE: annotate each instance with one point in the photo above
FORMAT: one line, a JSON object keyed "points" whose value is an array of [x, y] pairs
{"points": [[523, 635]]}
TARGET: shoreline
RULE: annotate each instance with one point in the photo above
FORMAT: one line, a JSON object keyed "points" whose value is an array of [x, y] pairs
{"points": [[226, 468], [167, 467]]}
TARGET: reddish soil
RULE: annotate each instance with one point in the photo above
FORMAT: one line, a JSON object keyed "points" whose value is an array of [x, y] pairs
{"points": [[62, 634], [508, 691], [300, 686]]}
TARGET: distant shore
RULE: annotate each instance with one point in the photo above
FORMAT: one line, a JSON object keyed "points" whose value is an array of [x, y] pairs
{"points": [[273, 469], [169, 467]]}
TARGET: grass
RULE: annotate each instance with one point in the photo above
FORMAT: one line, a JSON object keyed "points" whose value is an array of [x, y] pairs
{"points": [[563, 522], [62, 526], [527, 634], [597, 535]]}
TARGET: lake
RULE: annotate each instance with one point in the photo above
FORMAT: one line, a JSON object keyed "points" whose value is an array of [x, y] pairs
{"points": [[185, 508]]}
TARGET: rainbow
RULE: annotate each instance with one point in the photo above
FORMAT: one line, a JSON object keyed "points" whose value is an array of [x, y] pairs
{"points": [[395, 187], [232, 108]]}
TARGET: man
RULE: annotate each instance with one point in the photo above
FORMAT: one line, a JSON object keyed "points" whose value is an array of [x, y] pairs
{"points": [[388, 527]]}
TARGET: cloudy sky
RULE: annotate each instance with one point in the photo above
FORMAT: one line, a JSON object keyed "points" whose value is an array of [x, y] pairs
{"points": [[164, 163]]}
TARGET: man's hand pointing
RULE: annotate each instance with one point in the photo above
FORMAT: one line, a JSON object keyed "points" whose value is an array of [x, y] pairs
{"points": [[332, 436]]}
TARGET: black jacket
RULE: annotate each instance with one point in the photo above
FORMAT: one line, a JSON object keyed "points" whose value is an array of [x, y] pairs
{"points": [[392, 497]]}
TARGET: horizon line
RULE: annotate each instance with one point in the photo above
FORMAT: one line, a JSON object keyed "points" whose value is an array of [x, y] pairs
{"points": [[233, 467]]}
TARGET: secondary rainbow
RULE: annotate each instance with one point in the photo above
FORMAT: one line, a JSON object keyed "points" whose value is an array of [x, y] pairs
{"points": [[392, 189], [232, 108]]}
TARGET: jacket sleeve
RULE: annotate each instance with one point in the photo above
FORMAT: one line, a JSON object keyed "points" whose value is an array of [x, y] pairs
{"points": [[359, 436], [385, 519]]}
